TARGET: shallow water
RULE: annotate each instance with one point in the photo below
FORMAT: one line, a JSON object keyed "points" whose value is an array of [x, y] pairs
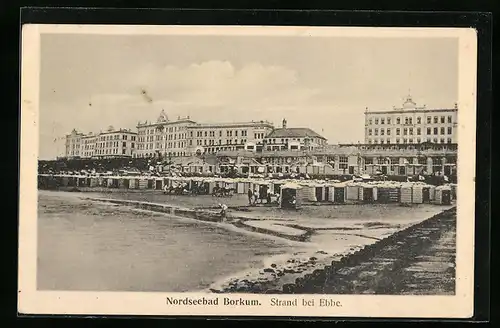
{"points": [[83, 245]]}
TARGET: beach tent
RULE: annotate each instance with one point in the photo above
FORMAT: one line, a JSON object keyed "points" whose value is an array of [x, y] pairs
{"points": [[158, 184], [453, 187], [406, 195], [123, 183], [290, 196], [352, 192], [133, 184], [443, 195], [417, 194], [143, 183], [366, 193]]}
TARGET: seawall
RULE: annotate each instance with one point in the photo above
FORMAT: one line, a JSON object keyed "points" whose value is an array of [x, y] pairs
{"points": [[393, 265]]}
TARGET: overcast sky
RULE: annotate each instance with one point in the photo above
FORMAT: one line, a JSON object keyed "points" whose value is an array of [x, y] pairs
{"points": [[89, 82]]}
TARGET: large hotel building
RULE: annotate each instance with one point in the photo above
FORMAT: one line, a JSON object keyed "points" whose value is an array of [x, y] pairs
{"points": [[107, 144], [184, 137], [406, 140], [411, 124]]}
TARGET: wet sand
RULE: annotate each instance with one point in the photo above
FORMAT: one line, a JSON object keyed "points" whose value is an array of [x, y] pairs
{"points": [[326, 233]]}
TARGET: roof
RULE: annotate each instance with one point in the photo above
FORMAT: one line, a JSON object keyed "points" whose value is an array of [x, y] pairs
{"points": [[232, 125], [293, 132]]}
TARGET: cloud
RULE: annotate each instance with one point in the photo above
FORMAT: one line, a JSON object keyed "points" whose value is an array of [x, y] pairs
{"points": [[218, 84], [250, 92]]}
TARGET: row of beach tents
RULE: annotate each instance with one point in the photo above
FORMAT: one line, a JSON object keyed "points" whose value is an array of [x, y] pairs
{"points": [[303, 191]]}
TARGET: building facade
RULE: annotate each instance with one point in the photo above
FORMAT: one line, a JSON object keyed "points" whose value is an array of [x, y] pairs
{"points": [[163, 137], [115, 143], [212, 138], [184, 137], [73, 144], [108, 144], [88, 145], [359, 159], [411, 124], [293, 139]]}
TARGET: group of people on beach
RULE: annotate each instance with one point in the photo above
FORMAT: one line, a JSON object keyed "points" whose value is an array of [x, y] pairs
{"points": [[255, 197]]}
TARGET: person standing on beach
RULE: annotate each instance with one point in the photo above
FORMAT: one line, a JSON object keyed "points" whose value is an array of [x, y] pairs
{"points": [[250, 196], [256, 196], [223, 211]]}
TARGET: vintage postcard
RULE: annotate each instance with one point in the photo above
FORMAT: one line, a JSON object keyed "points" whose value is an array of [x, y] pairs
{"points": [[247, 171]]}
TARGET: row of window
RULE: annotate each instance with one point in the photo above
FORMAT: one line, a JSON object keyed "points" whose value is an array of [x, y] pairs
{"points": [[200, 134], [110, 152], [159, 129], [287, 140], [115, 137], [410, 140], [409, 131], [212, 142], [159, 145], [409, 120], [410, 160], [169, 154]]}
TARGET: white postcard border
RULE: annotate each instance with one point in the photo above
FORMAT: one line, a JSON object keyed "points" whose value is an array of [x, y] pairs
{"points": [[31, 301]]}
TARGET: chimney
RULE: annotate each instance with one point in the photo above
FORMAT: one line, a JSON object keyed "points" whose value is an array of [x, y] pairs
{"points": [[284, 123]]}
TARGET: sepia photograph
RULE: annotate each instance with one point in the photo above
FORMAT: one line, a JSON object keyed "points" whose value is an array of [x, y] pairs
{"points": [[247, 170]]}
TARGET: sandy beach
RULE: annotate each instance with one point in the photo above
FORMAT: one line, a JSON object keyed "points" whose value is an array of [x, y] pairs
{"points": [[320, 235]]}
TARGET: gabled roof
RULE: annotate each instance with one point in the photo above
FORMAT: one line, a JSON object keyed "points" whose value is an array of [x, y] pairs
{"points": [[294, 133]]}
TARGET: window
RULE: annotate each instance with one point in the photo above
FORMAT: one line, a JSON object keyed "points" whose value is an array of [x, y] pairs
{"points": [[398, 120], [442, 130], [376, 121], [429, 120], [370, 121], [382, 141], [343, 162], [428, 130], [435, 119], [442, 119], [435, 140], [368, 160], [124, 144], [388, 141], [435, 130], [388, 132], [442, 140], [388, 120], [411, 140], [418, 131], [449, 119], [410, 120], [382, 132], [236, 133], [405, 131], [382, 121], [398, 132], [369, 141], [449, 140], [418, 140], [406, 120], [449, 130], [419, 120], [376, 132], [411, 131], [220, 133], [405, 141]]}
